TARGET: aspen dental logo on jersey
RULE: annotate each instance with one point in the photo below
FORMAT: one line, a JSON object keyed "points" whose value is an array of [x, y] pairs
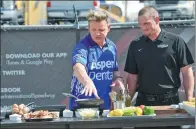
{"points": [[102, 64], [103, 68]]}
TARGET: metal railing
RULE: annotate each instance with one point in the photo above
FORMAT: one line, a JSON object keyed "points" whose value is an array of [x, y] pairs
{"points": [[174, 23]]}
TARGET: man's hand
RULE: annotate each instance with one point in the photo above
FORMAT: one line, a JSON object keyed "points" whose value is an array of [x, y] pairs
{"points": [[82, 76], [90, 89], [119, 84]]}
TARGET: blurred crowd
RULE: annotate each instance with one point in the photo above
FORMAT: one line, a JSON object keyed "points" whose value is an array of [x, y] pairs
{"points": [[21, 12]]}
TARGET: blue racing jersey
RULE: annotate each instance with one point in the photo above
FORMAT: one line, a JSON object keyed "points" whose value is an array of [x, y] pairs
{"points": [[100, 63]]}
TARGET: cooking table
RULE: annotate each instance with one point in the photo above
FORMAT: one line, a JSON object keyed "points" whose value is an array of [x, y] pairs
{"points": [[103, 122]]}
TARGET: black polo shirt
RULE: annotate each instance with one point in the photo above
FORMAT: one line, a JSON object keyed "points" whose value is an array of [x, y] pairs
{"points": [[158, 62]]}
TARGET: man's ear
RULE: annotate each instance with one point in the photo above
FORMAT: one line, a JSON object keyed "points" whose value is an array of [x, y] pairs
{"points": [[157, 20], [108, 27]]}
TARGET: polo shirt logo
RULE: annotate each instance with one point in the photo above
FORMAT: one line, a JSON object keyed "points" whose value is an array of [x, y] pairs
{"points": [[140, 49], [162, 45], [102, 64], [101, 75]]}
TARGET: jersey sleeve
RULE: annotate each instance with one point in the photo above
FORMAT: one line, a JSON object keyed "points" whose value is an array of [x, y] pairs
{"points": [[79, 54]]}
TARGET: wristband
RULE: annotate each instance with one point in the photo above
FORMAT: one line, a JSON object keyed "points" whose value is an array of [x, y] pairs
{"points": [[119, 77]]}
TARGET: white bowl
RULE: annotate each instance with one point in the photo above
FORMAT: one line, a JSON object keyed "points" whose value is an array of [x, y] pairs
{"points": [[67, 113], [87, 113], [15, 117], [105, 112]]}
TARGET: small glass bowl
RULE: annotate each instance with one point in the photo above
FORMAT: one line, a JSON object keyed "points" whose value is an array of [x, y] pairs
{"points": [[87, 113]]}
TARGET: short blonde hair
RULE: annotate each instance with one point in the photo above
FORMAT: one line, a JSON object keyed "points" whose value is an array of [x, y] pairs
{"points": [[97, 15]]}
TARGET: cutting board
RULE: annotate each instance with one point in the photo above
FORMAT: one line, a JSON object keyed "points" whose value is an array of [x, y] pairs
{"points": [[167, 110]]}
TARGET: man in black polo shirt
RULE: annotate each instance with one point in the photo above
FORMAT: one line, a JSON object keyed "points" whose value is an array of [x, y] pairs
{"points": [[154, 62]]}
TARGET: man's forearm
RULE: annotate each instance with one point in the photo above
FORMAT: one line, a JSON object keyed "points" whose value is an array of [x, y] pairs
{"points": [[188, 82], [116, 74], [81, 74], [132, 83]]}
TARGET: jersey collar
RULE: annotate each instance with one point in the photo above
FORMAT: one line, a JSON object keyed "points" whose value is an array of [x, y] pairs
{"points": [[93, 43]]}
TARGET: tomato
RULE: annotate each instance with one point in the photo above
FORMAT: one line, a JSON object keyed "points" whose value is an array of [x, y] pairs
{"points": [[142, 107]]}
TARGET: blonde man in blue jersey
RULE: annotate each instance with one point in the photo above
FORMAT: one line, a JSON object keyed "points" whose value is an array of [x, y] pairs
{"points": [[94, 61]]}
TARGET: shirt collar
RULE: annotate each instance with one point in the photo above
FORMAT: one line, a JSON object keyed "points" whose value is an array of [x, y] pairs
{"points": [[159, 38], [93, 43]]}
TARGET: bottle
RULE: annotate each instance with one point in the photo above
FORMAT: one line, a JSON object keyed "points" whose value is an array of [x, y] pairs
{"points": [[127, 98], [120, 96]]}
